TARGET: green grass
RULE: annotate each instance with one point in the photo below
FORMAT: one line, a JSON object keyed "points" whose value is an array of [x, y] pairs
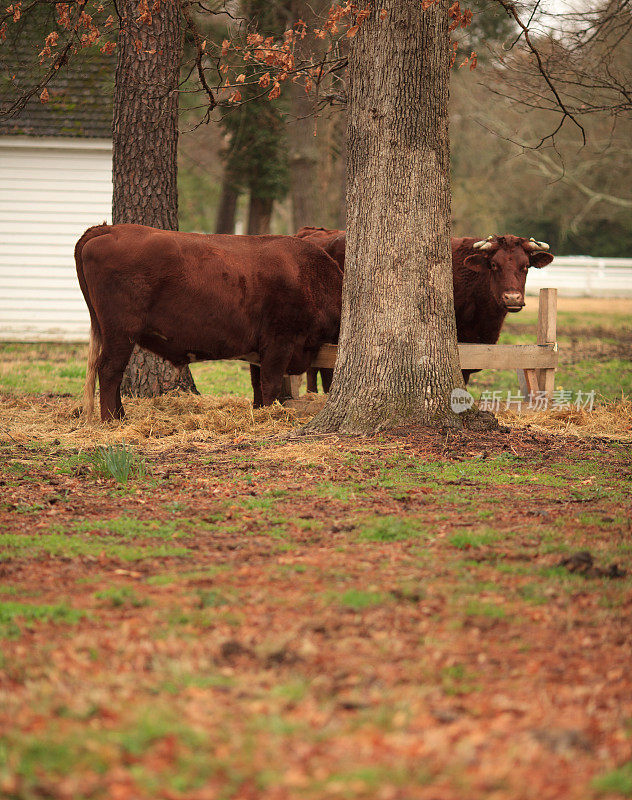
{"points": [[457, 680], [211, 598], [14, 616], [121, 597], [53, 754], [61, 545], [357, 599], [337, 491], [120, 462], [60, 369], [467, 539], [616, 782], [111, 537], [168, 578], [391, 529], [503, 469], [479, 608], [132, 528]]}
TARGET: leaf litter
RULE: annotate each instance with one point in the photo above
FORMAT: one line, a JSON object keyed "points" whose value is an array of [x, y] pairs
{"points": [[346, 617]]}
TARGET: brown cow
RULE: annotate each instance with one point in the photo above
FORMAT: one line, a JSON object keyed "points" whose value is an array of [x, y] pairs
{"points": [[489, 279], [194, 297], [488, 276], [334, 243]]}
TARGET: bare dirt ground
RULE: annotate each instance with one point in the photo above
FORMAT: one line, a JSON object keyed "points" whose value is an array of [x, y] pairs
{"points": [[259, 615]]}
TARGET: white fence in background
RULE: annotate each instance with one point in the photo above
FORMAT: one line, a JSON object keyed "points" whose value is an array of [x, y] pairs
{"points": [[584, 276]]}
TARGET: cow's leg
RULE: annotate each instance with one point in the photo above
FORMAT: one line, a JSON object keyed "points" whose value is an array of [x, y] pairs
{"points": [[312, 380], [255, 380], [275, 361], [326, 376], [110, 368]]}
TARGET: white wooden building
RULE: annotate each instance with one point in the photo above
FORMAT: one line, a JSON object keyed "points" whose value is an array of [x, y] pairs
{"points": [[55, 181], [51, 190]]}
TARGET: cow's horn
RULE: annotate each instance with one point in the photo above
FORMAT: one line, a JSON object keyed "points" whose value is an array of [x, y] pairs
{"points": [[533, 245], [484, 244]]}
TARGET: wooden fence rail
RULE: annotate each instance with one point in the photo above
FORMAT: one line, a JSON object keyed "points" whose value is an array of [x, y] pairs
{"points": [[535, 364]]}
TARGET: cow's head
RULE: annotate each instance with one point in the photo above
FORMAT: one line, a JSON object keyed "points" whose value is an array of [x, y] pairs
{"points": [[507, 259]]}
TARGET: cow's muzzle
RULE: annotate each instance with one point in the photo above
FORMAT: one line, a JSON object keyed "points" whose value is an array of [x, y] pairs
{"points": [[513, 301]]}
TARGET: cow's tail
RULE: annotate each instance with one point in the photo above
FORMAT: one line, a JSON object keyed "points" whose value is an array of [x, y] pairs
{"points": [[89, 387], [94, 348]]}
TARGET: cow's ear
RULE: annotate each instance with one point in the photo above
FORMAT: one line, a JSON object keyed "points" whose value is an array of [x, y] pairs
{"points": [[540, 260], [477, 262]]}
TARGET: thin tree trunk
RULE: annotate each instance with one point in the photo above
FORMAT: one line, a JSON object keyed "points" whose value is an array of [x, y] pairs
{"points": [[397, 358], [145, 142], [341, 215], [307, 207], [304, 156], [227, 206], [259, 214]]}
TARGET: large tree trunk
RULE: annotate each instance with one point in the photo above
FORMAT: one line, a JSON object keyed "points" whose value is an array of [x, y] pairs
{"points": [[259, 215], [227, 206], [397, 358], [145, 142]]}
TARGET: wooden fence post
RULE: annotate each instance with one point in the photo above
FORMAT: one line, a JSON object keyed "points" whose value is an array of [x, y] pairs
{"points": [[533, 381], [547, 334], [291, 386]]}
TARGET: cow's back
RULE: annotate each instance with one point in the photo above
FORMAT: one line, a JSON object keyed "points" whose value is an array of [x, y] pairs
{"points": [[332, 241]]}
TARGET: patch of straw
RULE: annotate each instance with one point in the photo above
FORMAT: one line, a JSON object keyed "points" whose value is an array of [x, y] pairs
{"points": [[178, 420], [611, 420], [160, 423]]}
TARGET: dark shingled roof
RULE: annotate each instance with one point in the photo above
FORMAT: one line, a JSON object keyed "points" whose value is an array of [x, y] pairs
{"points": [[80, 95]]}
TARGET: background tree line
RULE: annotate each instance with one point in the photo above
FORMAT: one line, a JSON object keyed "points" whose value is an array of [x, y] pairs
{"points": [[275, 165], [574, 196]]}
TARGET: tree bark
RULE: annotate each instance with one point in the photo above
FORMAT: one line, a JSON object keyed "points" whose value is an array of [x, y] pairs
{"points": [[397, 358], [227, 206], [144, 158], [259, 215]]}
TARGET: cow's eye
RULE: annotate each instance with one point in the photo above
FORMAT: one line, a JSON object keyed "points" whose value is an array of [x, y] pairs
{"points": [[494, 266]]}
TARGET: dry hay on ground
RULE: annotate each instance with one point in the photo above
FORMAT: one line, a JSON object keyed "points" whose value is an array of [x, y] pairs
{"points": [[176, 420], [159, 423], [611, 420]]}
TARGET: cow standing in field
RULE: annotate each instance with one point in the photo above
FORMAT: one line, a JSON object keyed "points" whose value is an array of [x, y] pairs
{"points": [[195, 297], [489, 280], [488, 277]]}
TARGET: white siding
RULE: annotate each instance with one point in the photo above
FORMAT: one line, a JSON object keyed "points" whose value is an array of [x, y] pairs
{"points": [[51, 190]]}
